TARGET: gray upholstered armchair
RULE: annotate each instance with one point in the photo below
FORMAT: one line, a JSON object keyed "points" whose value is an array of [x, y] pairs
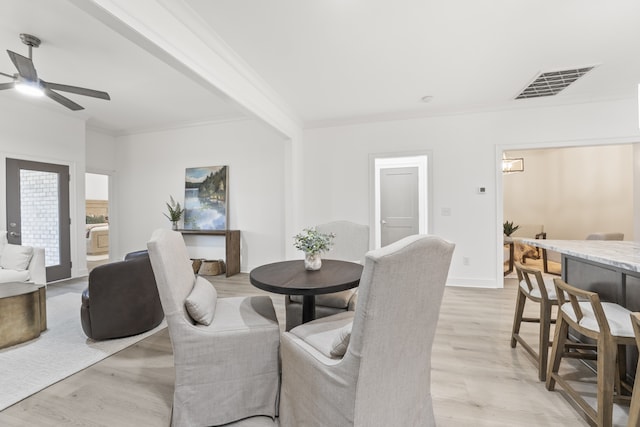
{"points": [[225, 349], [121, 299], [350, 244], [371, 367]]}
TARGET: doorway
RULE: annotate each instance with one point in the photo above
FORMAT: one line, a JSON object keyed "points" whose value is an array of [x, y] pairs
{"points": [[570, 190], [38, 212], [97, 219], [401, 196]]}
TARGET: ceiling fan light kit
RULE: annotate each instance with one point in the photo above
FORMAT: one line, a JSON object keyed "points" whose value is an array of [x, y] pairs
{"points": [[28, 88], [26, 79]]}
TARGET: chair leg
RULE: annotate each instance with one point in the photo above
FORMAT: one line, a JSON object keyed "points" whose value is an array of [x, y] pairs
{"points": [[543, 346], [545, 266], [622, 386], [634, 409], [517, 318], [606, 372], [560, 337]]}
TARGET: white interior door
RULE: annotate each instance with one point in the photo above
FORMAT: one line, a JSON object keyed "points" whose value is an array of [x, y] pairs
{"points": [[400, 197], [398, 204]]}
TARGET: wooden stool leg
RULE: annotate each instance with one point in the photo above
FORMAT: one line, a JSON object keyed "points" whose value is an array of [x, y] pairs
{"points": [[621, 376], [634, 409], [517, 318], [543, 346], [606, 366], [562, 328]]}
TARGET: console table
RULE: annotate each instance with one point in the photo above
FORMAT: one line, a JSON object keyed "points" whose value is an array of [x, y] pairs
{"points": [[231, 243]]}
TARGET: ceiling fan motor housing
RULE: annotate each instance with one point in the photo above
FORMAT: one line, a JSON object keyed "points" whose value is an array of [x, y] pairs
{"points": [[30, 40]]}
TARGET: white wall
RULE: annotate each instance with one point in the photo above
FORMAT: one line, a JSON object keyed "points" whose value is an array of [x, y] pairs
{"points": [[636, 191], [151, 167], [334, 161], [464, 157], [96, 186], [573, 191], [101, 153], [42, 134]]}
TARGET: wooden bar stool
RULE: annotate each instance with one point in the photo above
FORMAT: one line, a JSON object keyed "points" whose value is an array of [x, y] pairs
{"points": [[532, 286], [634, 410], [607, 323]]}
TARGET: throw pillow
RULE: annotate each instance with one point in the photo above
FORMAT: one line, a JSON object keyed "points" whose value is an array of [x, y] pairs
{"points": [[329, 335], [16, 257], [341, 341], [201, 302]]}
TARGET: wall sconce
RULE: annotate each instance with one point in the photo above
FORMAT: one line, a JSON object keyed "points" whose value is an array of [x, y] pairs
{"points": [[512, 165]]}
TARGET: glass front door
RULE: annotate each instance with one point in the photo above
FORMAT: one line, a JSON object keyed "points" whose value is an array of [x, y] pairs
{"points": [[38, 212]]}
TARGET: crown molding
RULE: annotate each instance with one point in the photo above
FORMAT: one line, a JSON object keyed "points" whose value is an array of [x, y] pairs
{"points": [[431, 112], [218, 120]]}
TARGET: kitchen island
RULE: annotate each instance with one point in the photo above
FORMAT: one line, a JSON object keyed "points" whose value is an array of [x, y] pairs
{"points": [[609, 267]]}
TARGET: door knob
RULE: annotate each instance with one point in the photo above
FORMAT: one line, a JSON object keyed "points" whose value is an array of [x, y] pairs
{"points": [[14, 234], [383, 222]]}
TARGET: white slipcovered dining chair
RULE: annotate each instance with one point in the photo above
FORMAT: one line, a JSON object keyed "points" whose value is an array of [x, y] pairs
{"points": [[371, 367], [351, 243], [225, 350]]}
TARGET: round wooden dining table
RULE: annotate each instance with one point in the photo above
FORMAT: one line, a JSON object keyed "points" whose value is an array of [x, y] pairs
{"points": [[291, 278]]}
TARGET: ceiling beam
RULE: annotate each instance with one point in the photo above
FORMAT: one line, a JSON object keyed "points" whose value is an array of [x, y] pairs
{"points": [[171, 31]]}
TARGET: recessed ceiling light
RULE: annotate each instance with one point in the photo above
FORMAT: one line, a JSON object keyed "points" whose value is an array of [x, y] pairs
{"points": [[427, 98]]}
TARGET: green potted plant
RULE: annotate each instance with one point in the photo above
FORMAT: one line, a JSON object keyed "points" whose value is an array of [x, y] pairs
{"points": [[175, 212], [313, 243], [509, 227]]}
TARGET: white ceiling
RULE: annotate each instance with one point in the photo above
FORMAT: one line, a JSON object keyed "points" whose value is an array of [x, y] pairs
{"points": [[336, 61], [79, 50]]}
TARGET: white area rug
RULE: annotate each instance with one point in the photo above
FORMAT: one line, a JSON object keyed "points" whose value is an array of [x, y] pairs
{"points": [[62, 350]]}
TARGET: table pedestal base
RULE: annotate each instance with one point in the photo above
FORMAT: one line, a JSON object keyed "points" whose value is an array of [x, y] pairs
{"points": [[308, 308]]}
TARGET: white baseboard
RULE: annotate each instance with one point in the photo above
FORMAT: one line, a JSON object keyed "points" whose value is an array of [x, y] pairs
{"points": [[475, 283]]}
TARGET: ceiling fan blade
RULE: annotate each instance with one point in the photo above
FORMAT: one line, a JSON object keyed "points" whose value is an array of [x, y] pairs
{"points": [[76, 89], [4, 86], [62, 100], [24, 65]]}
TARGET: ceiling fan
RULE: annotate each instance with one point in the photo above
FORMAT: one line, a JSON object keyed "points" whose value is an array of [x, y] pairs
{"points": [[26, 79]]}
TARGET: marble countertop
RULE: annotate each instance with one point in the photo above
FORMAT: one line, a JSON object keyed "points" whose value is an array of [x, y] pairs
{"points": [[616, 253]]}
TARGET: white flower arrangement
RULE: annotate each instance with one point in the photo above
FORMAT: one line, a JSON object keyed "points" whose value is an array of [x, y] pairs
{"points": [[312, 242]]}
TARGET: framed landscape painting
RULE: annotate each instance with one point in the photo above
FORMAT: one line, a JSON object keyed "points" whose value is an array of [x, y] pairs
{"points": [[206, 193]]}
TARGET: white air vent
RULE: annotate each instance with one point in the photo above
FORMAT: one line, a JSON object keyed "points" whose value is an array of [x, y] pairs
{"points": [[551, 83]]}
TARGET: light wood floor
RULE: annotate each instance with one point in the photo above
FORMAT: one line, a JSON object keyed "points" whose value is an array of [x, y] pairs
{"points": [[477, 379]]}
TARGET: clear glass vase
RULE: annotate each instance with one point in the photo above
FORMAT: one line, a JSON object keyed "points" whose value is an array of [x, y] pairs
{"points": [[312, 261]]}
